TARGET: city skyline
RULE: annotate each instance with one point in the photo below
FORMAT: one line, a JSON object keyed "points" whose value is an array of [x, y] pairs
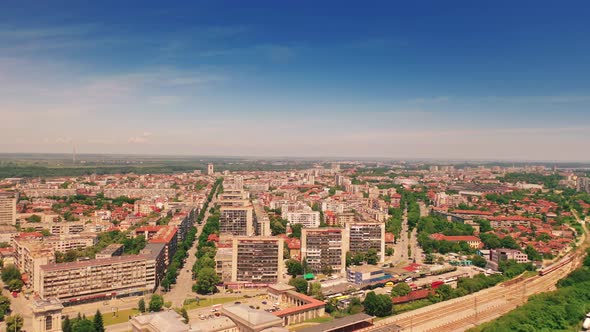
{"points": [[399, 81]]}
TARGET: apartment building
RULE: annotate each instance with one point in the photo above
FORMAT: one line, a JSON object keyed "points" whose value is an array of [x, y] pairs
{"points": [[183, 221], [366, 235], [345, 218], [236, 220], [309, 219], [324, 248], [66, 228], [257, 259], [97, 279], [156, 252], [235, 182], [7, 208], [30, 255], [111, 250], [161, 234], [230, 194], [223, 263], [210, 169], [261, 220], [65, 243], [583, 184]]}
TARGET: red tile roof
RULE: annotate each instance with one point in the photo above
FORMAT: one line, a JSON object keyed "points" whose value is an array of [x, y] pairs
{"points": [[389, 237]]}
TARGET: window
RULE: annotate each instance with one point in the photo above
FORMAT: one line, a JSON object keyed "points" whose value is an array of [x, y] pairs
{"points": [[48, 322]]}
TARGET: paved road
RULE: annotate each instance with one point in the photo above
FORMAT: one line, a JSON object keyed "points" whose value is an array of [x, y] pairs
{"points": [[20, 306], [400, 253], [184, 282]]}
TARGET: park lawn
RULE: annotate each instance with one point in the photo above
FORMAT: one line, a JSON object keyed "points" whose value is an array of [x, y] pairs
{"points": [[122, 316], [211, 301]]}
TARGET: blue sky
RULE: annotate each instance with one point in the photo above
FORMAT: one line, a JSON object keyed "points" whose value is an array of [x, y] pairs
{"points": [[431, 79]]}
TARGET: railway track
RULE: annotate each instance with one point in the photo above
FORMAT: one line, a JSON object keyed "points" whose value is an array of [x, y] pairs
{"points": [[465, 312]]}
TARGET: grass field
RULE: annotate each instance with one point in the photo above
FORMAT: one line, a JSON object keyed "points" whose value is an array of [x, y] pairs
{"points": [[211, 301], [122, 316]]}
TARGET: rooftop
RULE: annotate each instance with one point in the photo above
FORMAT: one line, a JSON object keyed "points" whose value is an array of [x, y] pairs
{"points": [[221, 323], [340, 323], [252, 316], [93, 262], [168, 321]]}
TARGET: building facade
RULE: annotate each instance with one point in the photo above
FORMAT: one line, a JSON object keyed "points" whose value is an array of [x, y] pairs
{"points": [[97, 279], [257, 259], [236, 220], [324, 249], [309, 219], [7, 209], [364, 236]]}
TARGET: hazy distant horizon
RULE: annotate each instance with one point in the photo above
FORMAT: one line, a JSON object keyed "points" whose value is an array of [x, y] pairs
{"points": [[80, 157], [435, 80]]}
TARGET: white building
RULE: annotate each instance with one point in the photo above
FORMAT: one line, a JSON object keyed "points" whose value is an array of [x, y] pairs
{"points": [[309, 219]]}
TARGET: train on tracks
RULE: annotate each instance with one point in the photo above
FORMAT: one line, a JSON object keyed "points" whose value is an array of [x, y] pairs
{"points": [[567, 259]]}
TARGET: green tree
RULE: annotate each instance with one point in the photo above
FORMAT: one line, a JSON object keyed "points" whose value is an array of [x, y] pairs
{"points": [[358, 258], [378, 305], [479, 261], [4, 306], [296, 230], [294, 268], [34, 219], [184, 314], [14, 323], [490, 240], [98, 322], [532, 253], [401, 289], [141, 305], [83, 325], [15, 285], [156, 303], [389, 251], [315, 290], [508, 242], [207, 280], [277, 228], [66, 325], [445, 292], [10, 272], [300, 285], [372, 257]]}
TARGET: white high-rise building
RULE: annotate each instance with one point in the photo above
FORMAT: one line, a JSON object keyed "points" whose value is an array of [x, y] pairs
{"points": [[7, 209]]}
